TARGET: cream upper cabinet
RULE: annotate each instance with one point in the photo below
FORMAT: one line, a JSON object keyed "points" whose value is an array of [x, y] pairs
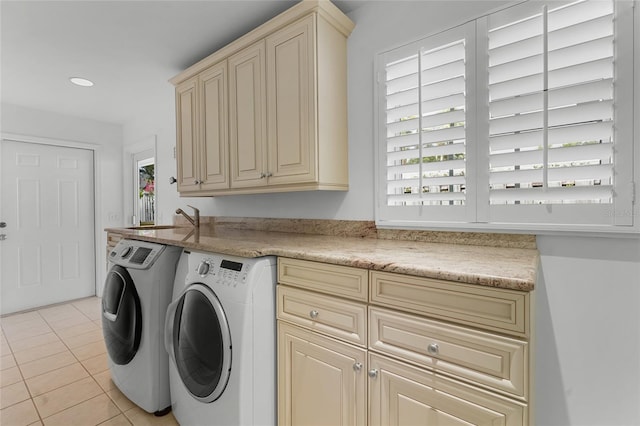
{"points": [[201, 108], [187, 135], [213, 130], [292, 100], [247, 117], [286, 108]]}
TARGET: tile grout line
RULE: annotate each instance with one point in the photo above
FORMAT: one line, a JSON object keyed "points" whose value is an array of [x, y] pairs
{"points": [[103, 391], [54, 330]]}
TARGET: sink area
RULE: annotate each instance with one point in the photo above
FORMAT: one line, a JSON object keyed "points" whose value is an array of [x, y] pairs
{"points": [[153, 227]]}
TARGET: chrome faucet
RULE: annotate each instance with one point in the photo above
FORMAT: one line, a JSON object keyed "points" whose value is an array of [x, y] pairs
{"points": [[195, 221]]}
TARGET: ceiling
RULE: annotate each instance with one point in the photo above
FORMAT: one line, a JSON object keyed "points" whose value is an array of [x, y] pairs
{"points": [[129, 49]]}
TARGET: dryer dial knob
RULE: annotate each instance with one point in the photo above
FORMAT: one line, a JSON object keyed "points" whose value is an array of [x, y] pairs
{"points": [[203, 268]]}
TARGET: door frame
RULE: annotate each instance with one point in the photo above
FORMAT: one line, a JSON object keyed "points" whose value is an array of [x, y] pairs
{"points": [[128, 160], [98, 250]]}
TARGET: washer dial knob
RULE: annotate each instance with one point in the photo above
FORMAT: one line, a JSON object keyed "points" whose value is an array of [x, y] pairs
{"points": [[126, 251]]}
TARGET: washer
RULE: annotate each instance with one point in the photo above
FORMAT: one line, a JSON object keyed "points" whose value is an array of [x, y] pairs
{"points": [[137, 291], [220, 333]]}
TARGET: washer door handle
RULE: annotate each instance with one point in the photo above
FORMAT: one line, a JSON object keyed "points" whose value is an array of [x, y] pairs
{"points": [[111, 317], [168, 327]]}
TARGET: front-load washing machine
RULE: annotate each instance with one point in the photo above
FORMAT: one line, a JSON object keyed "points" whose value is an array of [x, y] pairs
{"points": [[137, 291], [220, 334]]}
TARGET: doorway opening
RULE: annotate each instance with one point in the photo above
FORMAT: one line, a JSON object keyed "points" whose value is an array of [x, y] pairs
{"points": [[145, 191]]}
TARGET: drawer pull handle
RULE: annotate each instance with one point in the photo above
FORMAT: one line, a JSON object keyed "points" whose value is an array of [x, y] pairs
{"points": [[357, 367], [373, 373], [314, 314], [433, 349]]}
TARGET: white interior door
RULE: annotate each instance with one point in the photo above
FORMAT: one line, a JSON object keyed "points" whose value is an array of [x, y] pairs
{"points": [[47, 204]]}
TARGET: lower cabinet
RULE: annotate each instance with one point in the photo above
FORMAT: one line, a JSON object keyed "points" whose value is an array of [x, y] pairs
{"points": [[345, 358], [401, 394], [322, 381]]}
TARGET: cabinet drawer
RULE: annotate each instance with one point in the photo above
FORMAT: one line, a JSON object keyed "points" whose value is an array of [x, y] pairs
{"points": [[336, 280], [485, 307], [401, 391], [335, 317], [498, 362]]}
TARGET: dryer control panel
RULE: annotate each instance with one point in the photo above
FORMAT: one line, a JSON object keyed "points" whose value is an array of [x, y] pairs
{"points": [[232, 277], [223, 271]]}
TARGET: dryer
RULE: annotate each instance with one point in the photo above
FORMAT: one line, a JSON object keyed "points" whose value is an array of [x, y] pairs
{"points": [[220, 333], [137, 291]]}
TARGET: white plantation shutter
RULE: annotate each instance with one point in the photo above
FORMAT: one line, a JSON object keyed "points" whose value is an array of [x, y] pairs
{"points": [[523, 120], [424, 88], [551, 106]]}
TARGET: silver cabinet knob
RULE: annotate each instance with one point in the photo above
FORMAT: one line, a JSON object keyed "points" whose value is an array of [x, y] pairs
{"points": [[269, 174], [262, 175], [196, 182], [3, 237], [433, 349], [373, 373], [357, 367], [314, 314]]}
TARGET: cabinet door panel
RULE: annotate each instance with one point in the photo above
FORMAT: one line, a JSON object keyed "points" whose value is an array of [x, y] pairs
{"points": [[187, 134], [214, 141], [402, 395], [317, 382], [291, 99], [247, 116]]}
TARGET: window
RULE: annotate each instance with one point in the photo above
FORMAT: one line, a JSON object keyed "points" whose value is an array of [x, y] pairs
{"points": [[424, 124], [519, 119]]}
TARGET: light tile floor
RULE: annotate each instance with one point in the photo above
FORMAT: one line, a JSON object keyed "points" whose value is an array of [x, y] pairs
{"points": [[53, 371]]}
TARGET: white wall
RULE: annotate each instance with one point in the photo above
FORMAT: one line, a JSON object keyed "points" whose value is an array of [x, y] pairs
{"points": [[106, 136], [588, 324], [588, 343]]}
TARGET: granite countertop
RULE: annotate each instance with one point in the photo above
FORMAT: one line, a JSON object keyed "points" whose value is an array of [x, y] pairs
{"points": [[501, 267]]}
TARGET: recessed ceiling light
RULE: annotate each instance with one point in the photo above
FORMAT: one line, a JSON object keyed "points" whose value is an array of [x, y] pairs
{"points": [[81, 81]]}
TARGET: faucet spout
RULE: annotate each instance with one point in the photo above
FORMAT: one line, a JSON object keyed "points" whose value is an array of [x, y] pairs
{"points": [[195, 221]]}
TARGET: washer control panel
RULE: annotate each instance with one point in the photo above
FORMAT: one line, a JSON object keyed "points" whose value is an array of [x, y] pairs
{"points": [[135, 254]]}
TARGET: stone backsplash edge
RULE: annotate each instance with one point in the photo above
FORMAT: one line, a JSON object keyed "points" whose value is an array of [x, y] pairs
{"points": [[364, 229]]}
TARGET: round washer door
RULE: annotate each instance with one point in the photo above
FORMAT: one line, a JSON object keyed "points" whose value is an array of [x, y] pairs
{"points": [[121, 316], [200, 342]]}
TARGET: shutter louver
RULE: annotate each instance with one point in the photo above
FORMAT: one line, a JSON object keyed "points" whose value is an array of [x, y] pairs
{"points": [[425, 127], [551, 106]]}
